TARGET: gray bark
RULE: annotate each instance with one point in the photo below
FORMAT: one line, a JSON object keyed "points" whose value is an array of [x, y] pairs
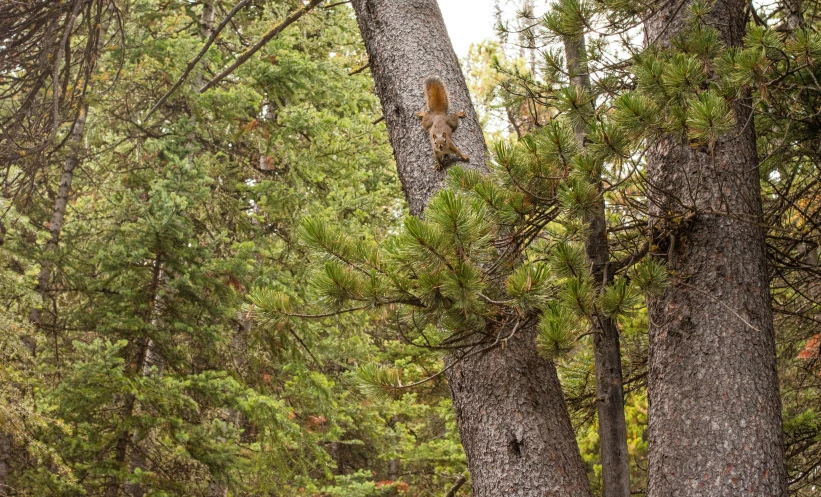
{"points": [[407, 42], [43, 288], [509, 407], [152, 357], [55, 227], [142, 365], [615, 459], [514, 425], [715, 413]]}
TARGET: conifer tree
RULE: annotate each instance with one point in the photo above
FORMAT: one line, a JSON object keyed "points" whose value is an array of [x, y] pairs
{"points": [[715, 319]]}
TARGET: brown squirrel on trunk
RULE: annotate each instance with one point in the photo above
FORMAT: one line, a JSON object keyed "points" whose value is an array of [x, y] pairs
{"points": [[438, 122]]}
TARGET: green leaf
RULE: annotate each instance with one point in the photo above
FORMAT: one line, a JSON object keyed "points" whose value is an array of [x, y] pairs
{"points": [[578, 196], [567, 260], [528, 286], [378, 382], [650, 276]]}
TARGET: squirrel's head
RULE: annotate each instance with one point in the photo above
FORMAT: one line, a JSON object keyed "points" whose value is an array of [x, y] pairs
{"points": [[440, 140]]}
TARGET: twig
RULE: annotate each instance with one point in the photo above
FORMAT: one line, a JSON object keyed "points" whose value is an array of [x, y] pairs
{"points": [[357, 71], [706, 294], [198, 57], [261, 43], [472, 353], [457, 485]]}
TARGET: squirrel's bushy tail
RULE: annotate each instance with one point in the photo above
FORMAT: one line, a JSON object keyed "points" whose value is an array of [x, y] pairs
{"points": [[436, 96]]}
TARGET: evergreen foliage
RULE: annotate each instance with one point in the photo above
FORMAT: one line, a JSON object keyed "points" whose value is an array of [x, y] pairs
{"points": [[237, 302]]}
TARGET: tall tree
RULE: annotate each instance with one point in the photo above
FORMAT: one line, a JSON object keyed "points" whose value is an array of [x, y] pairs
{"points": [[715, 412], [606, 349], [512, 418]]}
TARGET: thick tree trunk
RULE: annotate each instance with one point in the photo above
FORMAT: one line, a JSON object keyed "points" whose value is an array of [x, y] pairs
{"points": [[615, 459], [514, 425], [509, 407], [715, 413], [407, 42]]}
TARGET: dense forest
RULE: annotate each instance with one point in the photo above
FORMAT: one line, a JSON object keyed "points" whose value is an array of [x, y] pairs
{"points": [[231, 263]]}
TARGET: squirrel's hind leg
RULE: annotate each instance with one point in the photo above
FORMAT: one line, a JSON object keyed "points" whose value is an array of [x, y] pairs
{"points": [[453, 120], [427, 120]]}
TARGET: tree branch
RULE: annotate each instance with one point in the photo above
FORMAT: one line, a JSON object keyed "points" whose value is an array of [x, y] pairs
{"points": [[198, 57], [261, 43]]}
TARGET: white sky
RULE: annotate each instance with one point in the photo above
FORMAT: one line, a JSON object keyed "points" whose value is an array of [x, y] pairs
{"points": [[468, 21]]}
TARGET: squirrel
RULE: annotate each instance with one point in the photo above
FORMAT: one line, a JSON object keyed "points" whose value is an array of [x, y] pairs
{"points": [[438, 122]]}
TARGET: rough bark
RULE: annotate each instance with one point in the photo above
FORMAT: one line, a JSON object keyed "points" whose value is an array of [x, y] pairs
{"points": [[514, 425], [75, 147], [794, 14], [151, 357], [615, 459], [407, 42], [509, 407], [715, 413]]}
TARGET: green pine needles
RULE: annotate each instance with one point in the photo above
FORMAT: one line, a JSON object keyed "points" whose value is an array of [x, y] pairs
{"points": [[500, 250]]}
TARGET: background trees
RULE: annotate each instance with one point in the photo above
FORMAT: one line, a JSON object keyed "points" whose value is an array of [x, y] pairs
{"points": [[183, 329]]}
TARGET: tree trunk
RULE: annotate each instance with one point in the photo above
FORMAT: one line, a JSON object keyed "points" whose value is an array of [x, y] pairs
{"points": [[407, 42], [6, 446], [794, 14], [509, 407], [715, 411], [514, 425], [55, 226], [145, 356], [615, 459], [43, 288]]}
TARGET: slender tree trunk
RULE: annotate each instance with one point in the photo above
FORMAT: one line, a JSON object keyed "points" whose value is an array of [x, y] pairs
{"points": [[615, 459], [215, 488], [239, 343], [150, 359], [75, 148], [143, 359], [55, 227], [6, 445], [511, 415], [715, 410]]}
